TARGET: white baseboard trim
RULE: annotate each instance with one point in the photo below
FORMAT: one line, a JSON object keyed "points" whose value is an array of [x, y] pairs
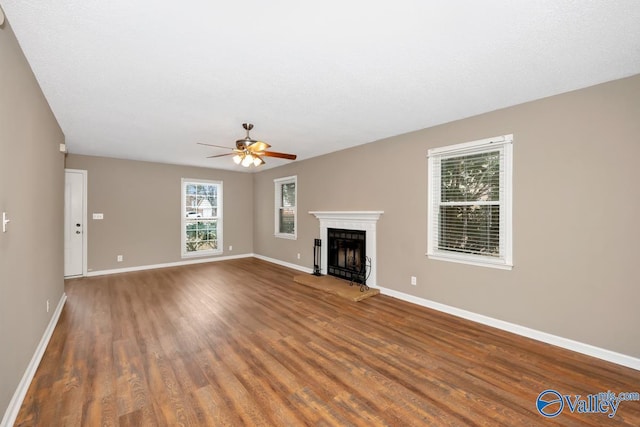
{"points": [[165, 265], [11, 413], [284, 264], [588, 349]]}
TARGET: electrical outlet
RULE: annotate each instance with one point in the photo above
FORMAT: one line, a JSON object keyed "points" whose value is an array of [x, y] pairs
{"points": [[298, 256], [119, 258], [47, 306], [414, 280], [230, 248]]}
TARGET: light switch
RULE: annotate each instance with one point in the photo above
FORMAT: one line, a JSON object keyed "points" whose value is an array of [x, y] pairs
{"points": [[5, 221], [98, 216]]}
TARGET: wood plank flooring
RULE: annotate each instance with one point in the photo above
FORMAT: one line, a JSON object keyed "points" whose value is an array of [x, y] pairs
{"points": [[239, 343]]}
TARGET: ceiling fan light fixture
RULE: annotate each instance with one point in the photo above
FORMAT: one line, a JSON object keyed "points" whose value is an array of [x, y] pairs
{"points": [[257, 161], [247, 160], [237, 159]]}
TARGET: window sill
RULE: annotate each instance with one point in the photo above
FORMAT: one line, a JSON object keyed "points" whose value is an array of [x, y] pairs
{"points": [[286, 236], [477, 261], [199, 254]]}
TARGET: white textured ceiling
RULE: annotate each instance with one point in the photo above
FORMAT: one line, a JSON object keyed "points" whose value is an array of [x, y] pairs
{"points": [[146, 80]]}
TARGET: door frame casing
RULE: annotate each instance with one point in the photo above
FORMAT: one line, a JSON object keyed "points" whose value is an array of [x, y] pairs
{"points": [[85, 226]]}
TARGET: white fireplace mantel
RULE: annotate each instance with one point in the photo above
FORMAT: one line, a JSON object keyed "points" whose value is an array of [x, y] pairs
{"points": [[350, 220]]}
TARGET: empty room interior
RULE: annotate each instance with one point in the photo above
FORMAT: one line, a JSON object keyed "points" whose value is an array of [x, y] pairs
{"points": [[338, 213]]}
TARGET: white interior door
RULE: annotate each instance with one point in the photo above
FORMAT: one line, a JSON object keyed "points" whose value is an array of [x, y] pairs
{"points": [[74, 226]]}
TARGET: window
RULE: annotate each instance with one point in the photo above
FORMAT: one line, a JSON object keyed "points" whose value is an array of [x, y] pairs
{"points": [[286, 214], [201, 217], [469, 210]]}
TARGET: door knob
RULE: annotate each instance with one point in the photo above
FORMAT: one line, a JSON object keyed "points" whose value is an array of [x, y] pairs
{"points": [[78, 232], [77, 225]]}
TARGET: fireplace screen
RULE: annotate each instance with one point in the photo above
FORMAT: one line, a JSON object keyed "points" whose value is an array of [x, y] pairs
{"points": [[346, 255]]}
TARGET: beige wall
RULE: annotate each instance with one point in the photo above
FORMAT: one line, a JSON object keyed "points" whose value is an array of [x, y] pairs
{"points": [[32, 193], [576, 206], [141, 206]]}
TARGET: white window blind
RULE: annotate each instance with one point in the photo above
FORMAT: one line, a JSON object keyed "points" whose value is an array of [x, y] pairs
{"points": [[469, 212]]}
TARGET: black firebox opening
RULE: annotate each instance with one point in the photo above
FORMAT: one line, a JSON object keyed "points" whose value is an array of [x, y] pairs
{"points": [[346, 253]]}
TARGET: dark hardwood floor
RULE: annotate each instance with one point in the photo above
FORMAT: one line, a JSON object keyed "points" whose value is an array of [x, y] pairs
{"points": [[239, 343]]}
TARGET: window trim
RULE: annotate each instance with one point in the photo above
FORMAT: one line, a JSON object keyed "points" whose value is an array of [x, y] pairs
{"points": [[503, 143], [183, 224], [278, 182]]}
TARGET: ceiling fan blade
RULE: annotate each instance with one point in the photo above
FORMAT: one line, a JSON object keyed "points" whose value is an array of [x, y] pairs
{"points": [[279, 155], [220, 155], [213, 145], [258, 146]]}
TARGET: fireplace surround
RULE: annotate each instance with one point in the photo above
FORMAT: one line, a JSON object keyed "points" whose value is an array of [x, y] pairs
{"points": [[350, 220]]}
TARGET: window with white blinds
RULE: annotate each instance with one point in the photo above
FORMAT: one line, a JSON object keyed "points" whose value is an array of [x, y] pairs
{"points": [[469, 200]]}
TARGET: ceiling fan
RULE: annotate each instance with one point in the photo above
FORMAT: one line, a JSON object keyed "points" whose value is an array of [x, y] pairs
{"points": [[249, 151]]}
